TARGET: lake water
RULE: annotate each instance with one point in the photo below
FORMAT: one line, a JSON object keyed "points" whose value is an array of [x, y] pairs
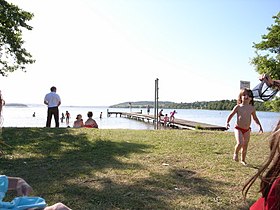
{"points": [[22, 117]]}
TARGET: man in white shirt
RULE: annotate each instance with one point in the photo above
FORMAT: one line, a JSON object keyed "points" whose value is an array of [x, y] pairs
{"points": [[53, 101]]}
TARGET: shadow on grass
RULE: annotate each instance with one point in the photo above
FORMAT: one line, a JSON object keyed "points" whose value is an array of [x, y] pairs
{"points": [[58, 148], [48, 158], [169, 191]]}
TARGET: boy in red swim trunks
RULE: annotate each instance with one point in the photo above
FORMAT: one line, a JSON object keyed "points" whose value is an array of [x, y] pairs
{"points": [[245, 110]]}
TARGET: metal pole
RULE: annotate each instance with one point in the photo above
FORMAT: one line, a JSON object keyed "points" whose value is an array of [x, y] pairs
{"points": [[157, 103], [156, 106]]}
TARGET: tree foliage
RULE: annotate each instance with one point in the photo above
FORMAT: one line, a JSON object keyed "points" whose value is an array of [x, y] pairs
{"points": [[13, 55], [267, 60], [269, 63]]}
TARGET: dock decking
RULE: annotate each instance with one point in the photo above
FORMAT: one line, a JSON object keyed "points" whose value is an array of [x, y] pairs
{"points": [[178, 123]]}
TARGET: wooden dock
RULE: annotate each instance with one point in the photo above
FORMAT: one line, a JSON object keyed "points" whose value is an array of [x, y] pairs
{"points": [[177, 123]]}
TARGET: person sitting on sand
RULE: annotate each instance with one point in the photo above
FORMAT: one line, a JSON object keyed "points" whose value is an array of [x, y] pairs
{"points": [[78, 123], [90, 123], [165, 120]]}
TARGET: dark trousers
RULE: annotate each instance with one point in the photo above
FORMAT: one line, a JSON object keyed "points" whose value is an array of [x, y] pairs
{"points": [[52, 111]]}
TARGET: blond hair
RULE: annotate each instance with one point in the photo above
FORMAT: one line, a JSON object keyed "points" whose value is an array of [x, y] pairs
{"points": [[243, 92]]}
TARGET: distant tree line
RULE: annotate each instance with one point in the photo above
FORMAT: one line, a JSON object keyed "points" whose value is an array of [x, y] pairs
{"points": [[210, 105], [215, 105]]}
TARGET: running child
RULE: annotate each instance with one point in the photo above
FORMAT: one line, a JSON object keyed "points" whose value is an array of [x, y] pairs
{"points": [[245, 110]]}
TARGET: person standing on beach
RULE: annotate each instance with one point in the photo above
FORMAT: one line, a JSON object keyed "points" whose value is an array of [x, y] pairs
{"points": [[2, 102], [67, 114], [62, 117], [245, 110], [52, 100], [160, 114], [172, 118]]}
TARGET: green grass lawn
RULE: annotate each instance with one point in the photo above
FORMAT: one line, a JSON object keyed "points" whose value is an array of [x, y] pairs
{"points": [[132, 169]]}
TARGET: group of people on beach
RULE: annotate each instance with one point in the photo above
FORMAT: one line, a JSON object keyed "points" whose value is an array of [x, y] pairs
{"points": [[164, 117], [53, 101], [269, 173], [65, 116], [20, 186], [89, 123]]}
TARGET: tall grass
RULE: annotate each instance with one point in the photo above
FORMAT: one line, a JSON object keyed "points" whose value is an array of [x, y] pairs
{"points": [[132, 169]]}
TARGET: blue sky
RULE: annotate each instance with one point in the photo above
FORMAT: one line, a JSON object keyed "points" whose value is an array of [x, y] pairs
{"points": [[102, 52]]}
